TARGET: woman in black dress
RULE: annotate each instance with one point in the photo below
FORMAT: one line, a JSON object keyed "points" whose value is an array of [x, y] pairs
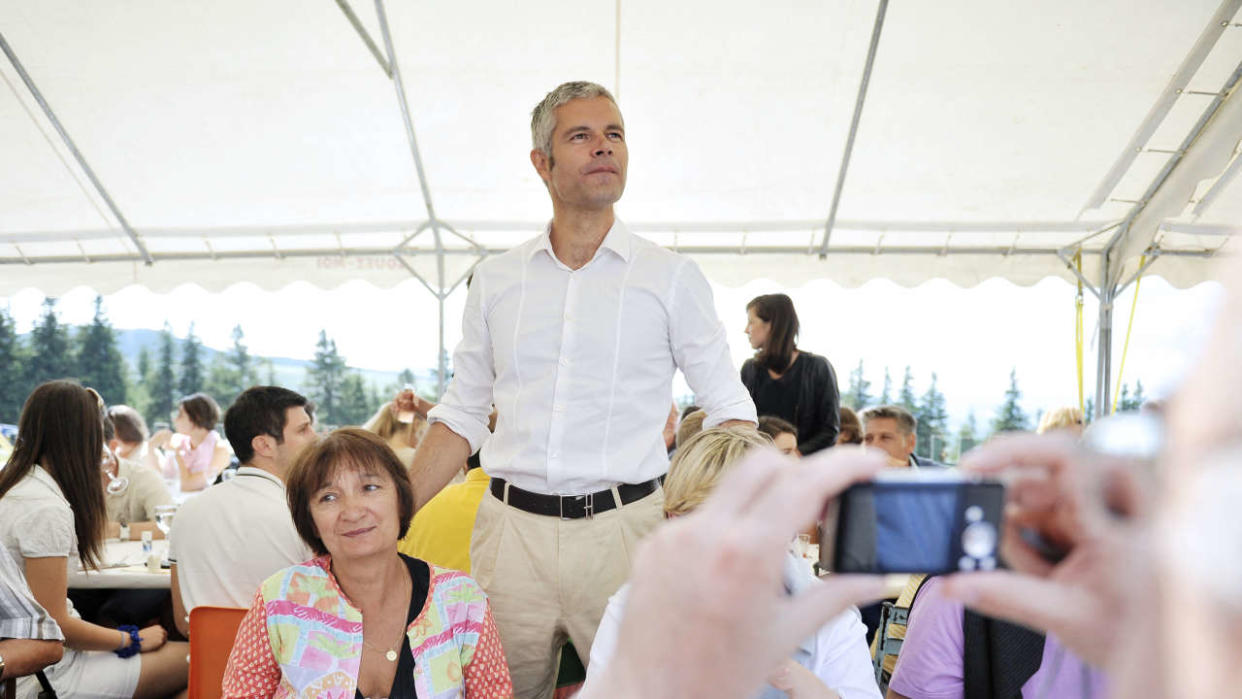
{"points": [[786, 382]]}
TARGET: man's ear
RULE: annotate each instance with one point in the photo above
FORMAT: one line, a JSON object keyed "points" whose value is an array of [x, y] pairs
{"points": [[542, 163], [912, 441], [263, 445], [113, 444]]}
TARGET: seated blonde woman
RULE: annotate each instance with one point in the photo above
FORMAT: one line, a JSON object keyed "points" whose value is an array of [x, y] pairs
{"points": [[362, 619], [1066, 418], [832, 663]]}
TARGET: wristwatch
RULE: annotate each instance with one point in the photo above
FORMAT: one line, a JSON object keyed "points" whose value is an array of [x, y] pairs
{"points": [[1, 667]]}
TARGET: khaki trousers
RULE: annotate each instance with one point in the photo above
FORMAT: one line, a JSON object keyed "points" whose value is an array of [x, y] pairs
{"points": [[549, 579]]}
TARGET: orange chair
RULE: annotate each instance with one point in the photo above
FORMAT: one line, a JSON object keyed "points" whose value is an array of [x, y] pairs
{"points": [[212, 630]]}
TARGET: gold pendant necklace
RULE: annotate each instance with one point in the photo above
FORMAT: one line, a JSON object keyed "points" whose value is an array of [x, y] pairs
{"points": [[390, 655]]}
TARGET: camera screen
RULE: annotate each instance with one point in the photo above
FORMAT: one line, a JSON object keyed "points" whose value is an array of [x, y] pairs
{"points": [[898, 529]]}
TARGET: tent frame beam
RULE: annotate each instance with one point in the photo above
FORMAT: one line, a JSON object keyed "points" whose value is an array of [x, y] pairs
{"points": [[73, 149], [365, 36], [1164, 104], [880, 12]]}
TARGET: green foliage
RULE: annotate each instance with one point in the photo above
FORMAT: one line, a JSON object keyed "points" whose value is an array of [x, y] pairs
{"points": [[232, 372], [163, 384], [99, 361], [12, 364], [886, 395], [356, 402], [933, 423], [906, 398], [49, 357], [1009, 417], [857, 396], [191, 364], [967, 435], [325, 381], [1127, 402]]}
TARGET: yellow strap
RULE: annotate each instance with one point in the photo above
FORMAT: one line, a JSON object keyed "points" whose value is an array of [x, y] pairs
{"points": [[1125, 348], [1078, 330]]}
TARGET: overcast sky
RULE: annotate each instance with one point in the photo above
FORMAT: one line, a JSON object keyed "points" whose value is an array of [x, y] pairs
{"points": [[970, 337]]}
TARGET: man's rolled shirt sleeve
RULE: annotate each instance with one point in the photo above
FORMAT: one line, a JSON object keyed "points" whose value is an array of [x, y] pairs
{"points": [[466, 404], [701, 350]]}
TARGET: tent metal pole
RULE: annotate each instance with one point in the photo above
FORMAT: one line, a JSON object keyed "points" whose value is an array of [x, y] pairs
{"points": [[73, 148], [422, 180], [366, 38], [1104, 359], [849, 140]]}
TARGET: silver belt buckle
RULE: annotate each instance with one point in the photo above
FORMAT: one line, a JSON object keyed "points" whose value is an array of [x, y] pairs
{"points": [[589, 505]]}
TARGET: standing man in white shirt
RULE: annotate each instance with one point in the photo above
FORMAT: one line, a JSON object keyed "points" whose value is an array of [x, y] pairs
{"points": [[574, 336], [228, 540]]}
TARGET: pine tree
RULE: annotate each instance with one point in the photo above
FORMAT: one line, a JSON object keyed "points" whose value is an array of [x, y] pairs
{"points": [[906, 399], [269, 372], [99, 360], [1089, 410], [12, 365], [164, 380], [139, 382], [49, 350], [886, 395], [231, 372], [967, 435], [355, 403], [191, 364], [325, 379], [1009, 417], [857, 397], [933, 422]]}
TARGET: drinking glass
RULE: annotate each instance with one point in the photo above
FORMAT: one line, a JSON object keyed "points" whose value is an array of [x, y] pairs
{"points": [[116, 484], [164, 517]]}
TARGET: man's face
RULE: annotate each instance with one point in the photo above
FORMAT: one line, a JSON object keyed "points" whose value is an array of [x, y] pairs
{"points": [[883, 433], [587, 166], [299, 433]]}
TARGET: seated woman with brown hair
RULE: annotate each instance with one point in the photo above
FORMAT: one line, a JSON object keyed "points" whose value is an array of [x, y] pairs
{"points": [[51, 512], [199, 454], [362, 619]]}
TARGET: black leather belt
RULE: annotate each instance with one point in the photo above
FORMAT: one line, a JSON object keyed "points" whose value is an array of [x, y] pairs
{"points": [[572, 506]]}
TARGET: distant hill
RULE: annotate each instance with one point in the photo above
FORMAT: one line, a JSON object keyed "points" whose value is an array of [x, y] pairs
{"points": [[290, 373]]}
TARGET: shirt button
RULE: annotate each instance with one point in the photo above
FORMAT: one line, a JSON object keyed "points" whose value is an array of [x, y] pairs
{"points": [[564, 361]]}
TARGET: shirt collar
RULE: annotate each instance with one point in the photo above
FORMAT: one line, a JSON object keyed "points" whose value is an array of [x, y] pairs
{"points": [[252, 471], [619, 240], [39, 474]]}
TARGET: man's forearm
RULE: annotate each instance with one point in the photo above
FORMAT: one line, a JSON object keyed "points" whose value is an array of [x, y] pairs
{"points": [[24, 657], [441, 454]]}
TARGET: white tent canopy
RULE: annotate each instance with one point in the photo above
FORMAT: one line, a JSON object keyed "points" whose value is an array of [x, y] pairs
{"points": [[266, 142]]}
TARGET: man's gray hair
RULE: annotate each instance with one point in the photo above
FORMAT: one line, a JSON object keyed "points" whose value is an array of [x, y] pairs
{"points": [[543, 119]]}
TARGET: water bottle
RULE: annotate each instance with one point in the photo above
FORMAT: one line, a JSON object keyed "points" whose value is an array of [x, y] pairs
{"points": [[146, 544]]}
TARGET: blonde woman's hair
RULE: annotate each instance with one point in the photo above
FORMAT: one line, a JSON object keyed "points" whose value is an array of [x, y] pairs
{"points": [[699, 464], [1060, 418], [385, 424]]}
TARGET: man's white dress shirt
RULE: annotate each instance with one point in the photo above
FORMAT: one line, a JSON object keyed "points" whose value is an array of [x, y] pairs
{"points": [[580, 363]]}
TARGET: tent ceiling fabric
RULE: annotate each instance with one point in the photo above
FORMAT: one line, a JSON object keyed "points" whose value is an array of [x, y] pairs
{"points": [[262, 142]]}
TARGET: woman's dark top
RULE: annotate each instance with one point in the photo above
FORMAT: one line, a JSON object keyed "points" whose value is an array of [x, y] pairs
{"points": [[403, 683], [805, 395]]}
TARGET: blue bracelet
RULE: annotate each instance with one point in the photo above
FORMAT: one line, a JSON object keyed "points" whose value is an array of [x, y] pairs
{"points": [[135, 642]]}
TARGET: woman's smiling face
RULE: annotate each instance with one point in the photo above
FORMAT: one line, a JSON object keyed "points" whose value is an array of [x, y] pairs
{"points": [[356, 512]]}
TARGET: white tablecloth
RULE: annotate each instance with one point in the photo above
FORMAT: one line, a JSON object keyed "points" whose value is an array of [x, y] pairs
{"points": [[134, 575]]}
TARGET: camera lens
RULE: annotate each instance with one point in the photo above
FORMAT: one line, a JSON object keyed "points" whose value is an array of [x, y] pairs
{"points": [[979, 539]]}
